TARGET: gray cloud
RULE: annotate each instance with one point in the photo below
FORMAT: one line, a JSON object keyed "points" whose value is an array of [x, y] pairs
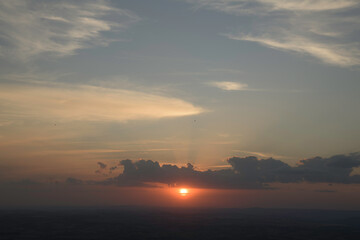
{"points": [[73, 181], [244, 173], [102, 165], [326, 30], [143, 171], [32, 27], [112, 168]]}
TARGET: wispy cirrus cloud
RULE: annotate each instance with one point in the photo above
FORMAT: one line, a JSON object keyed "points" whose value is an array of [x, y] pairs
{"points": [[266, 6], [337, 54], [30, 28], [326, 30], [309, 5], [230, 86], [88, 103]]}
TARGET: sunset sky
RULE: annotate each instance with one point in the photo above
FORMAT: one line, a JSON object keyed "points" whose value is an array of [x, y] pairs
{"points": [[252, 90]]}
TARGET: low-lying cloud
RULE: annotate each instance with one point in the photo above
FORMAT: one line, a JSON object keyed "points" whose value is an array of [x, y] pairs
{"points": [[243, 173]]}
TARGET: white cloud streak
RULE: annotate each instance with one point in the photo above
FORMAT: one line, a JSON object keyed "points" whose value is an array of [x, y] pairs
{"points": [[309, 5], [337, 54], [230, 86], [325, 29], [87, 103], [255, 6], [30, 28]]}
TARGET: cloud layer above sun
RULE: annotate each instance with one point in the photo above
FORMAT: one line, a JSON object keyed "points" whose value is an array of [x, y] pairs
{"points": [[245, 172]]}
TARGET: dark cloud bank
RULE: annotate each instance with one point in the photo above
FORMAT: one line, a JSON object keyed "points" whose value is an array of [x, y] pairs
{"points": [[245, 173]]}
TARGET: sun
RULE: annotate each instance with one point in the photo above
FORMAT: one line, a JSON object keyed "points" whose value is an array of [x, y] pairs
{"points": [[183, 191]]}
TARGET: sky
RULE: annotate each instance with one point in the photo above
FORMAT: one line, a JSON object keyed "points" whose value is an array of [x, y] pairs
{"points": [[238, 100]]}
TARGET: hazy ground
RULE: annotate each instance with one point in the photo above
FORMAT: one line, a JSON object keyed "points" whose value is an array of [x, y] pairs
{"points": [[171, 223]]}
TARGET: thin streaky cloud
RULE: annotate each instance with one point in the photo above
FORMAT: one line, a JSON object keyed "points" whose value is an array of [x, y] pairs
{"points": [[60, 28], [265, 6], [88, 103], [322, 29], [226, 70], [309, 5], [342, 55], [237, 86], [230, 86], [259, 154]]}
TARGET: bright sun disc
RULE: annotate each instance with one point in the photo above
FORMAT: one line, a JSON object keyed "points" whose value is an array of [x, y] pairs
{"points": [[183, 191]]}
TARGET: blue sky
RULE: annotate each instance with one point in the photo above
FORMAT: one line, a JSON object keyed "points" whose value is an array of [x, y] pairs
{"points": [[175, 81]]}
